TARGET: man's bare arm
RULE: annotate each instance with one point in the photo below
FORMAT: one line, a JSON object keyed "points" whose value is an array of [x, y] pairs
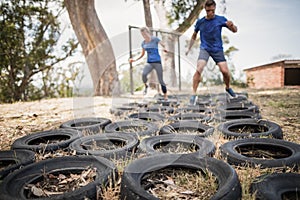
{"points": [[231, 26]]}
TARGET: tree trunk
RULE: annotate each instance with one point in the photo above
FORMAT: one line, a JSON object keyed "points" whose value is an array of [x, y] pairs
{"points": [[169, 40], [169, 60], [147, 13], [96, 46], [186, 24], [148, 19]]}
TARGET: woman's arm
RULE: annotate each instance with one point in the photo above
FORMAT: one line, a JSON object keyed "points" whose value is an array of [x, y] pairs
{"points": [[163, 45], [141, 55]]}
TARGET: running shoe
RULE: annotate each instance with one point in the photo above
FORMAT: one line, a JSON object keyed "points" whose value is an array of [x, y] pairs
{"points": [[231, 92], [193, 99], [145, 90]]}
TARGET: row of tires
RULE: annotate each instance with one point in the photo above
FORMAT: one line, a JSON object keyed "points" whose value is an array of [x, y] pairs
{"points": [[219, 113], [272, 186], [149, 145], [236, 114], [117, 145], [124, 139], [141, 125]]}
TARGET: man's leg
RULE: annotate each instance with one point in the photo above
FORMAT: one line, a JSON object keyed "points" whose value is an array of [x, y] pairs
{"points": [[226, 74], [197, 76], [226, 77], [196, 80]]}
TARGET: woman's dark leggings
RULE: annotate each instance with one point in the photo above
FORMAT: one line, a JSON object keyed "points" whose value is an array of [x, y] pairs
{"points": [[158, 68]]}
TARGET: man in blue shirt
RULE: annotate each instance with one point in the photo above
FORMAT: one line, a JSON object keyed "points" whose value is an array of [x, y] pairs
{"points": [[150, 45], [210, 28]]}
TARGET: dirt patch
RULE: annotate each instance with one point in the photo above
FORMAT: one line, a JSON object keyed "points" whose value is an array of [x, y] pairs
{"points": [[22, 118]]}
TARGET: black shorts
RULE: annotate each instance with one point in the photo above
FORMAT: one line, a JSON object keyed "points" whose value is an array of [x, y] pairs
{"points": [[216, 56]]}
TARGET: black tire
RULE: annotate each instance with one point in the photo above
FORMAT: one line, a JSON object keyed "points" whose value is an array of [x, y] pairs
{"points": [[180, 97], [171, 98], [203, 100], [122, 110], [203, 103], [135, 104], [14, 159], [169, 102], [223, 117], [228, 184], [276, 186], [190, 116], [250, 128], [193, 109], [262, 152], [148, 116], [245, 94], [159, 109], [239, 99], [184, 126], [40, 141], [13, 185], [202, 146], [139, 127], [237, 107], [224, 98], [120, 145], [94, 125]]}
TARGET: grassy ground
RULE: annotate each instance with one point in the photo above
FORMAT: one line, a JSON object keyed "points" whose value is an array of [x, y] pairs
{"points": [[22, 118]]}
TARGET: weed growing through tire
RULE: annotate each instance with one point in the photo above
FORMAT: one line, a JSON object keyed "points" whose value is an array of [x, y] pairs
{"points": [[175, 147], [6, 164], [190, 132], [176, 183], [42, 155], [133, 129], [248, 174], [112, 190], [249, 129], [104, 145], [57, 184], [263, 152], [48, 140]]}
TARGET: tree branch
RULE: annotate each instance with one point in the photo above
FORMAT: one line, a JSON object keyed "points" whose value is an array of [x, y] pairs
{"points": [[191, 18]]}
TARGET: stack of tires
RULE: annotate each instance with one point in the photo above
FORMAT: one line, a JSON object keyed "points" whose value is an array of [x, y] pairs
{"points": [[157, 135]]}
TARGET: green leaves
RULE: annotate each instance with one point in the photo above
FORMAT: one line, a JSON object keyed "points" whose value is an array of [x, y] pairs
{"points": [[30, 31], [181, 9]]}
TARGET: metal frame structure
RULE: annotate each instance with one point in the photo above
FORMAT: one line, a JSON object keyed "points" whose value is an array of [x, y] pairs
{"points": [[156, 31]]}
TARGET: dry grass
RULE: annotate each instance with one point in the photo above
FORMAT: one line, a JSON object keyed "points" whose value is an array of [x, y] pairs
{"points": [[55, 184], [180, 184], [22, 118], [176, 147]]}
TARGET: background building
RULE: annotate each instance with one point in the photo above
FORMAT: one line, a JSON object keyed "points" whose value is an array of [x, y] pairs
{"points": [[279, 74]]}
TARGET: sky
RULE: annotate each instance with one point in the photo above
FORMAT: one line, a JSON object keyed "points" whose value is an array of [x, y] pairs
{"points": [[266, 28]]}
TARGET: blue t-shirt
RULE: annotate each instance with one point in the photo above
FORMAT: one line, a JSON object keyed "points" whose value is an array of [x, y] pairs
{"points": [[210, 33], [152, 50]]}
